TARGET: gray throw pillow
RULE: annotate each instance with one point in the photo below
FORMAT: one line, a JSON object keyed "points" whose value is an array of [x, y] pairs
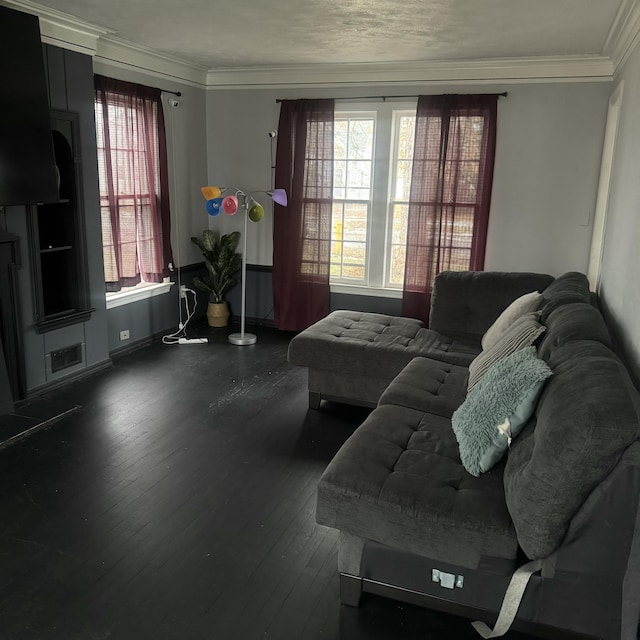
{"points": [[498, 408], [522, 333], [524, 304]]}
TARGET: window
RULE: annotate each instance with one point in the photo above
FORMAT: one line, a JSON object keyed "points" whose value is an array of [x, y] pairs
{"points": [[373, 164], [132, 172], [373, 153], [404, 129], [352, 189]]}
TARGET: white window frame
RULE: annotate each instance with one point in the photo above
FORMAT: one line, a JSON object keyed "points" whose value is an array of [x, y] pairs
{"points": [[379, 224], [395, 133], [363, 113]]}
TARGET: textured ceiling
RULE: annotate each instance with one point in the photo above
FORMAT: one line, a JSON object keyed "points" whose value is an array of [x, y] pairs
{"points": [[271, 33]]}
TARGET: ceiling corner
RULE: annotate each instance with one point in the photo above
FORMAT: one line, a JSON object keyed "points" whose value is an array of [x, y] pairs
{"points": [[61, 29], [66, 31], [112, 51], [624, 33]]}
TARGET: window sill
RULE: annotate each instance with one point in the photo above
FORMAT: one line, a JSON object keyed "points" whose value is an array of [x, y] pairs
{"points": [[137, 293], [373, 292]]}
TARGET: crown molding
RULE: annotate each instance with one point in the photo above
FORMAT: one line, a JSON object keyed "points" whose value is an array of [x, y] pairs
{"points": [[120, 53], [624, 33], [513, 70], [61, 29]]}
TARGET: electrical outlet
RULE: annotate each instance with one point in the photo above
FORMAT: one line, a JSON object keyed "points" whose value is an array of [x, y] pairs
{"points": [[183, 291], [124, 335]]}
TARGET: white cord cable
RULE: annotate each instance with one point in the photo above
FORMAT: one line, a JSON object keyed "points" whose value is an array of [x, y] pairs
{"points": [[181, 333]]}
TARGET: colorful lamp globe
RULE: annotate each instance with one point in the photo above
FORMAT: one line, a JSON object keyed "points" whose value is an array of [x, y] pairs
{"points": [[279, 196], [210, 193], [256, 212], [214, 206], [230, 205]]}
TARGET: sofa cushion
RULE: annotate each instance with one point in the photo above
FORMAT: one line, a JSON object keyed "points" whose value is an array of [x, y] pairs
{"points": [[359, 343], [524, 304], [497, 409], [589, 412], [398, 481], [569, 287], [428, 385], [570, 322], [468, 302], [522, 333]]}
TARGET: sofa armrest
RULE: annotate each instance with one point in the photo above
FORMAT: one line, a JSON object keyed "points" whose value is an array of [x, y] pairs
{"points": [[468, 302]]}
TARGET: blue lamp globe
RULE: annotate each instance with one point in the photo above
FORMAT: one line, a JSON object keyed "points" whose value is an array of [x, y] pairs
{"points": [[214, 206]]}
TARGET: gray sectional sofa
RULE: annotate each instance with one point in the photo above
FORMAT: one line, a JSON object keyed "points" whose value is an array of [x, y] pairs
{"points": [[352, 356], [562, 505]]}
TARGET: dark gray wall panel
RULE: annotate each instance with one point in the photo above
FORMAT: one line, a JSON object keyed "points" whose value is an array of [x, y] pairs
{"points": [[6, 400], [259, 301], [80, 98], [33, 341], [370, 304], [56, 81], [144, 319], [259, 297]]}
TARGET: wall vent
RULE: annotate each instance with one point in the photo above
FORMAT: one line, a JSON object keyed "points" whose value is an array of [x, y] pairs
{"points": [[65, 358]]}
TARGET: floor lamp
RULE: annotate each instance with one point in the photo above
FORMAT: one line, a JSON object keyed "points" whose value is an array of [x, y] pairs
{"points": [[252, 210]]}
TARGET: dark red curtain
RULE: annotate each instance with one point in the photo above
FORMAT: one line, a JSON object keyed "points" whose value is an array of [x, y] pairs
{"points": [[134, 185], [302, 229], [450, 195]]}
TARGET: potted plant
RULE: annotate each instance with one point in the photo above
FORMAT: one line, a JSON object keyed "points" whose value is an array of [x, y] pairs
{"points": [[222, 264]]}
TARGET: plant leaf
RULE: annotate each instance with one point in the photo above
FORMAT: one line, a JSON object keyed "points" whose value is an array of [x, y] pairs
{"points": [[221, 261]]}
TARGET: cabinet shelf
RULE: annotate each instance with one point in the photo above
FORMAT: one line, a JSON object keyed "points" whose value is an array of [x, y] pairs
{"points": [[58, 237], [54, 249]]}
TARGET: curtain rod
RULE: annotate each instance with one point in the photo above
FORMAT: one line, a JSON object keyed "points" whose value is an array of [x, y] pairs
{"points": [[383, 98]]}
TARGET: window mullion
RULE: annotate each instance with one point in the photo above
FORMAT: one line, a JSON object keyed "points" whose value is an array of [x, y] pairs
{"points": [[378, 227]]}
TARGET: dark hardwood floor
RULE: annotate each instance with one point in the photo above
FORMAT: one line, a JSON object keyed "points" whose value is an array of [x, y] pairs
{"points": [[178, 503]]}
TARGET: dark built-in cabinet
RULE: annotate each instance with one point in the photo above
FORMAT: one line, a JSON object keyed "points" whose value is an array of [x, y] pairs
{"points": [[26, 156], [61, 292]]}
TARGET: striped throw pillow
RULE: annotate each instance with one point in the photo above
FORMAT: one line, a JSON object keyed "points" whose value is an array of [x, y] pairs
{"points": [[522, 333]]}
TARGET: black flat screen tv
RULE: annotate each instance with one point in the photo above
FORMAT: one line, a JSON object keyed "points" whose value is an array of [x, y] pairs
{"points": [[27, 165]]}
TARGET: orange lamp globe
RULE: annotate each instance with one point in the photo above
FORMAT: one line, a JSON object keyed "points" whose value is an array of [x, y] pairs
{"points": [[210, 193]]}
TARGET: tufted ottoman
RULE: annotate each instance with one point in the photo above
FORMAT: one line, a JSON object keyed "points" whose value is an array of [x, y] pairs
{"points": [[398, 479], [353, 356]]}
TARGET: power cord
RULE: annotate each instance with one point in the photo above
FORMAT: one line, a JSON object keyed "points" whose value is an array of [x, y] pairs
{"points": [[180, 336]]}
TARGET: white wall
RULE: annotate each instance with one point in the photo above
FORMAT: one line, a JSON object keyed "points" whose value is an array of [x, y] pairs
{"points": [[620, 276], [239, 155], [548, 157], [187, 157], [546, 177]]}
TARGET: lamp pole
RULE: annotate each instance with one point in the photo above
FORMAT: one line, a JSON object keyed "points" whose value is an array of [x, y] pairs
{"points": [[242, 338]]}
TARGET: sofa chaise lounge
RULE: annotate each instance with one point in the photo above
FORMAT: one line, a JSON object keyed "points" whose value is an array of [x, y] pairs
{"points": [[353, 356], [563, 503]]}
